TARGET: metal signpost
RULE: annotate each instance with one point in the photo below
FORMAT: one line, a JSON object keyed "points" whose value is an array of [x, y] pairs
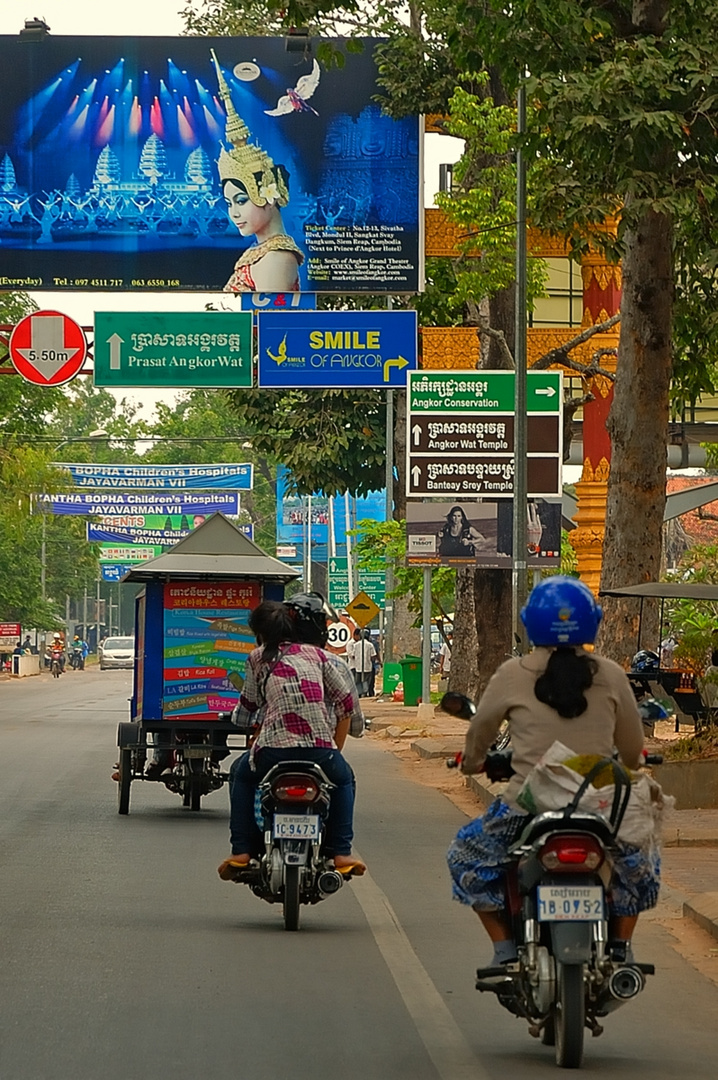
{"points": [[173, 349], [336, 349], [461, 434]]}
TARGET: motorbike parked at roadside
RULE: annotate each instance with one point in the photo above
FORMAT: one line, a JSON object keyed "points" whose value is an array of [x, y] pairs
{"points": [[566, 978]]}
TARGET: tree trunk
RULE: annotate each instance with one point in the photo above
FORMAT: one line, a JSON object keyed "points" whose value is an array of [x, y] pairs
{"points": [[638, 425], [483, 626]]}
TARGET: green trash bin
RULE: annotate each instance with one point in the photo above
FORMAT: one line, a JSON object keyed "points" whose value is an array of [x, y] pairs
{"points": [[391, 676], [412, 676]]}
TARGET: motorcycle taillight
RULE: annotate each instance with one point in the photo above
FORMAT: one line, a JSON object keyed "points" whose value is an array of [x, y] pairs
{"points": [[568, 854], [295, 788]]}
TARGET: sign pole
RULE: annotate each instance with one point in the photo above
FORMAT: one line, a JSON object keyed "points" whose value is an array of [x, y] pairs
{"points": [[388, 644], [518, 562], [347, 527], [426, 638]]}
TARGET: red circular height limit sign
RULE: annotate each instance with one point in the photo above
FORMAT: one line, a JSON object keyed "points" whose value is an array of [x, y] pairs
{"points": [[48, 348]]}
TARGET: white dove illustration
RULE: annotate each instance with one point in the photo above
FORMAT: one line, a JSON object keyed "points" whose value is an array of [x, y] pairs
{"points": [[296, 100]]}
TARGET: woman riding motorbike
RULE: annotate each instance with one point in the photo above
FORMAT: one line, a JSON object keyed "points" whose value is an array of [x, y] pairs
{"points": [[308, 703], [558, 692]]}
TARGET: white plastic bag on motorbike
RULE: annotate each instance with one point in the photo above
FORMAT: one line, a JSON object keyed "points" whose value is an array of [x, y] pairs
{"points": [[552, 785]]}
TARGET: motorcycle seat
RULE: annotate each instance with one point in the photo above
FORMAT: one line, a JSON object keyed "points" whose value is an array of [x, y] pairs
{"points": [[559, 821], [307, 767]]}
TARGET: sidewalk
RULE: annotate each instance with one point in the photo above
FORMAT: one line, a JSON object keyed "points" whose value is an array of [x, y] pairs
{"points": [[690, 838]]}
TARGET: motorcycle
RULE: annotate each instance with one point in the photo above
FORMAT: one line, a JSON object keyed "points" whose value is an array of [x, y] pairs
{"points": [[77, 661], [567, 976], [293, 803], [56, 663]]}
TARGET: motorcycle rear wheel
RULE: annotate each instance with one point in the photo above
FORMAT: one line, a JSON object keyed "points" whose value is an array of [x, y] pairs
{"points": [[291, 898], [569, 1015], [55, 669]]}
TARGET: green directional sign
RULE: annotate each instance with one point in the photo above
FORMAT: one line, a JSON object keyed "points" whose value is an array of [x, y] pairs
{"points": [[461, 429], [481, 391], [372, 582], [128, 553], [173, 349]]}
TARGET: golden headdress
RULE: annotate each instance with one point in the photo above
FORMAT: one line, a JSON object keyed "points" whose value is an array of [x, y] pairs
{"points": [[245, 162]]}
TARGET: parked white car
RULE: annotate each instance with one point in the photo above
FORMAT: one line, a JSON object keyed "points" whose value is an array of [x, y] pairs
{"points": [[117, 652]]}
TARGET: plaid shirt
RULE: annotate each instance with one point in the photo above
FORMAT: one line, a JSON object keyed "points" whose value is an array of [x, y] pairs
{"points": [[303, 696]]}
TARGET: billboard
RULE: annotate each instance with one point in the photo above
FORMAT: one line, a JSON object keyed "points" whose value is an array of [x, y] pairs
{"points": [[206, 644], [160, 477], [195, 163], [132, 506], [480, 534]]}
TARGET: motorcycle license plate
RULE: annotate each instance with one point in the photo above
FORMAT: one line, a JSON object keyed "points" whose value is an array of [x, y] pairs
{"points": [[569, 903], [197, 752], [296, 827]]}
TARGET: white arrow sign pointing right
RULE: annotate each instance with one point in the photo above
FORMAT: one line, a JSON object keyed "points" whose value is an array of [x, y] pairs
{"points": [[548, 391]]}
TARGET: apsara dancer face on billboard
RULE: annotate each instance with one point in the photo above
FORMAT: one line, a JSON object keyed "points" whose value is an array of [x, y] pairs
{"points": [[254, 190], [202, 164]]}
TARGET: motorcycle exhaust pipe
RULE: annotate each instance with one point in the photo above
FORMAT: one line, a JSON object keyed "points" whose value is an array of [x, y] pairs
{"points": [[625, 982], [329, 882]]}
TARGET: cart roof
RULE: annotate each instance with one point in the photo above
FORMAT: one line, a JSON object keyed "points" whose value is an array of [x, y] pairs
{"points": [[216, 549], [666, 590]]}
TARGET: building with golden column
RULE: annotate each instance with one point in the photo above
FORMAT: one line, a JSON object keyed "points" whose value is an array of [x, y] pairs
{"points": [[577, 298]]}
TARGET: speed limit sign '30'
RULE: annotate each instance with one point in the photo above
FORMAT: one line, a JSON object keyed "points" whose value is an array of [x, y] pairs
{"points": [[48, 348], [340, 634]]}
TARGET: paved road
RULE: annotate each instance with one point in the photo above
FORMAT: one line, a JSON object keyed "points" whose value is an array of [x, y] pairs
{"points": [[124, 957]]}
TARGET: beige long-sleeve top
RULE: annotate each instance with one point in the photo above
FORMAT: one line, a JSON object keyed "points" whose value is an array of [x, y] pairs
{"points": [[610, 720]]}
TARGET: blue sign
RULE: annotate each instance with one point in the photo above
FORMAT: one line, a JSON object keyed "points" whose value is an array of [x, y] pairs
{"points": [[115, 571], [261, 301], [336, 349], [131, 506], [161, 477], [166, 537]]}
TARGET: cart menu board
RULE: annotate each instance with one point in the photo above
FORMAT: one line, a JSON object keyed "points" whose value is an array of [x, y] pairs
{"points": [[206, 644]]}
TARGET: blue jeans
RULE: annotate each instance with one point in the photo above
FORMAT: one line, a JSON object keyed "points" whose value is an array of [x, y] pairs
{"points": [[244, 832]]}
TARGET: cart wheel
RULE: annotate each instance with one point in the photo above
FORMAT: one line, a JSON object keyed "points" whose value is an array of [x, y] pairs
{"points": [[123, 787]]}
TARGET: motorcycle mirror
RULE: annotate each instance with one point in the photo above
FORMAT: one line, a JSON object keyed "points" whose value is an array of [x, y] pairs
{"points": [[457, 705]]}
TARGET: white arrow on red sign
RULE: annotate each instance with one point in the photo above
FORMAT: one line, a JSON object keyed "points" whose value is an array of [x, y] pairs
{"points": [[48, 348]]}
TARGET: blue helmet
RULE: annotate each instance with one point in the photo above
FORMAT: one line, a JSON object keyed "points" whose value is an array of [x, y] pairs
{"points": [[561, 611]]}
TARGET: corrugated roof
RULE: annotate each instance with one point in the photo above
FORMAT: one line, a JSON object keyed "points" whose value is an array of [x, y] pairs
{"points": [[216, 549]]}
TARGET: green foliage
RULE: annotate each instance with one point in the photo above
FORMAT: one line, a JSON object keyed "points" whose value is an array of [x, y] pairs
{"points": [[482, 202], [381, 541], [331, 441], [695, 623], [202, 427]]}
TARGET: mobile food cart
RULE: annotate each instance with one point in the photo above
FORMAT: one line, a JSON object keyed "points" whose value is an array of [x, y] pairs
{"points": [[191, 643]]}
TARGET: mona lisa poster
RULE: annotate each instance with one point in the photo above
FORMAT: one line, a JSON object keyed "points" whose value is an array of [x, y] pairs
{"points": [[203, 164]]}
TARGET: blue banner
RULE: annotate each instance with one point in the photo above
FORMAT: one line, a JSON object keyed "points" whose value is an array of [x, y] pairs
{"points": [[116, 535], [260, 301], [125, 503], [161, 477], [336, 349], [115, 571]]}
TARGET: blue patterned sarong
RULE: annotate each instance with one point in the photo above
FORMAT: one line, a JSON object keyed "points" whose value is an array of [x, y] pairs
{"points": [[478, 859]]}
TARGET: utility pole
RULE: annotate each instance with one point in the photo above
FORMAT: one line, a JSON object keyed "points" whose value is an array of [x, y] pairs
{"points": [[518, 565]]}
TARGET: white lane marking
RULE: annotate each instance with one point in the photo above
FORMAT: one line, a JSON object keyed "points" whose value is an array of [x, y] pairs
{"points": [[452, 1056]]}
